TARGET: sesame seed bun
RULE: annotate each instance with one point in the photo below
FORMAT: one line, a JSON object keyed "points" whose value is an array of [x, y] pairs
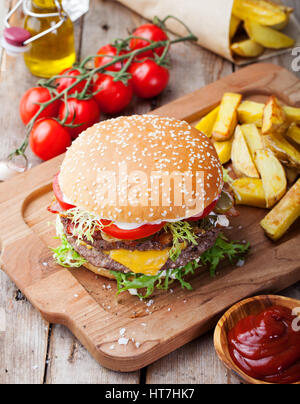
{"points": [[143, 148]]}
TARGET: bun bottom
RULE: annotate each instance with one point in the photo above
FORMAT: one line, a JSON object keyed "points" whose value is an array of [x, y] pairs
{"points": [[99, 271]]}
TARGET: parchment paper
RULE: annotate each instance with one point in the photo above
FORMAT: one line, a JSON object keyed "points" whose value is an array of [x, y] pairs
{"points": [[209, 20]]}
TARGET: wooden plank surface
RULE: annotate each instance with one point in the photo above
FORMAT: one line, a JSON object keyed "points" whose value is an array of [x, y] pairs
{"points": [[62, 360], [23, 344]]}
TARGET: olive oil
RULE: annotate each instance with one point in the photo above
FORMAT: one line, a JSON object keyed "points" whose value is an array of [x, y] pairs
{"points": [[54, 52]]}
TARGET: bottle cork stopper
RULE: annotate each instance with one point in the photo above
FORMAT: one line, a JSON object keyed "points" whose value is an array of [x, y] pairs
{"points": [[16, 36]]}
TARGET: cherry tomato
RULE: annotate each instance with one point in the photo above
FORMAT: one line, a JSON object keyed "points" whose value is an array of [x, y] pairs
{"points": [[112, 96], [148, 78], [29, 104], [49, 139], [150, 32], [205, 213], [59, 195], [108, 52], [66, 82], [84, 112], [136, 234]]}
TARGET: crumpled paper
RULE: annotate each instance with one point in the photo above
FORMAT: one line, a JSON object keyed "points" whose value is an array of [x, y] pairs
{"points": [[209, 20], [76, 8]]}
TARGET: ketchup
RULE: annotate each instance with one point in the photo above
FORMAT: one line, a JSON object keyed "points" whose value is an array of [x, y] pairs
{"points": [[266, 347]]}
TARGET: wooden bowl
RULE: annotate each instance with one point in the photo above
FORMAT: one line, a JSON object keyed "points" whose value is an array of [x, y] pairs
{"points": [[251, 306]]}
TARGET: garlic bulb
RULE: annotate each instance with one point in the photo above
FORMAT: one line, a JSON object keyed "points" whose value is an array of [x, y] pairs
{"points": [[9, 169]]}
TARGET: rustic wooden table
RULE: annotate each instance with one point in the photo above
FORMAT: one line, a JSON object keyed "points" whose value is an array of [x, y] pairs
{"points": [[33, 351]]}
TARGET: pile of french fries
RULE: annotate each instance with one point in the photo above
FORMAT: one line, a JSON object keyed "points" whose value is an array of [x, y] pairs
{"points": [[262, 141], [256, 25]]}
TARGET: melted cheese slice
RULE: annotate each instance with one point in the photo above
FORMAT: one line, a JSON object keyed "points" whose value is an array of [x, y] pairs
{"points": [[141, 262]]}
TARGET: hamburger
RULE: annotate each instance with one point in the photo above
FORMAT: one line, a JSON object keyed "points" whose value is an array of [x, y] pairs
{"points": [[135, 199]]}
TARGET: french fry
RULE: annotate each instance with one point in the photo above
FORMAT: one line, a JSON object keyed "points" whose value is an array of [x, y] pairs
{"points": [[283, 150], [288, 11], [294, 133], [234, 26], [227, 117], [272, 175], [280, 219], [268, 37], [224, 150], [251, 112], [247, 48], [250, 192], [293, 114], [291, 174], [207, 123], [242, 162], [260, 11], [253, 138], [274, 118]]}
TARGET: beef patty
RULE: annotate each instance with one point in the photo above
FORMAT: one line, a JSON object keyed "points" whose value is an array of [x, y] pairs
{"points": [[93, 252]]}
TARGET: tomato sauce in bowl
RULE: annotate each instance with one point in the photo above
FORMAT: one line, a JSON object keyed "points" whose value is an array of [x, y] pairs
{"points": [[267, 346]]}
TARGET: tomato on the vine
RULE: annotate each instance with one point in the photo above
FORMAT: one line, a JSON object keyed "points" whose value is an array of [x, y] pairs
{"points": [[150, 32], [148, 78], [29, 105], [66, 82], [107, 53], [49, 139], [111, 96], [79, 112]]}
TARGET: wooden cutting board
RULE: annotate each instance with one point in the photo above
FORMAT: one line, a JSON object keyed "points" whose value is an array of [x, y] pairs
{"points": [[87, 304]]}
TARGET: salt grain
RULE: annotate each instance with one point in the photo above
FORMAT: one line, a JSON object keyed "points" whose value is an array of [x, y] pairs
{"points": [[123, 341]]}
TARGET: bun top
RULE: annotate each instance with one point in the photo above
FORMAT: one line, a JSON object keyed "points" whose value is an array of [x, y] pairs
{"points": [[142, 169]]}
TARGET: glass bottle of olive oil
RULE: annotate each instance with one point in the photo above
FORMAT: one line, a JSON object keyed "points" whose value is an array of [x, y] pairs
{"points": [[54, 52]]}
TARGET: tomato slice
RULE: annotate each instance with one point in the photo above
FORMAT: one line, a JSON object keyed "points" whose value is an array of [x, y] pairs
{"points": [[59, 195], [110, 228], [205, 213], [55, 207], [141, 232]]}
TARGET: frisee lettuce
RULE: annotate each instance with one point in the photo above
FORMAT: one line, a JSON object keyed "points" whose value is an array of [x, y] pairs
{"points": [[226, 176], [66, 256], [211, 258], [85, 223], [221, 250], [181, 232]]}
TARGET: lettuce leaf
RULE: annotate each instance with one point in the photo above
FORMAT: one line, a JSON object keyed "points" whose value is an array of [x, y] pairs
{"points": [[161, 281], [211, 258], [221, 250], [65, 255]]}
